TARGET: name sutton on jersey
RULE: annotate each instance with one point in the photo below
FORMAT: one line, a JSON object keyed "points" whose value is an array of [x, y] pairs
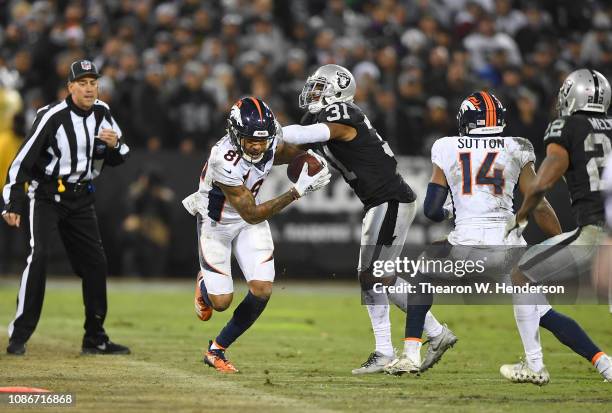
{"points": [[480, 143]]}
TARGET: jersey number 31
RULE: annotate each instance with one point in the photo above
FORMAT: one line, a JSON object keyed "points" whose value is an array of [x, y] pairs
{"points": [[484, 176]]}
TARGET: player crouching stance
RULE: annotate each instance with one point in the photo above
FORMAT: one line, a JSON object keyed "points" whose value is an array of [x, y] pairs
{"points": [[230, 216], [577, 145]]}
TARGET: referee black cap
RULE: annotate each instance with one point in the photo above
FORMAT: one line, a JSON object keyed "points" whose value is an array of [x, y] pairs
{"points": [[82, 68]]}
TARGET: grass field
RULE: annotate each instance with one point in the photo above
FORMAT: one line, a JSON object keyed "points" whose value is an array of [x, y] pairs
{"points": [[297, 357]]}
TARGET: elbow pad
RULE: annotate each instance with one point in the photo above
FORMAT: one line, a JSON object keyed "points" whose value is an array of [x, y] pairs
{"points": [[433, 207], [299, 135]]}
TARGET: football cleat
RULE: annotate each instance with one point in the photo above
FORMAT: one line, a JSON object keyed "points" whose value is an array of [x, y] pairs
{"points": [[16, 348], [203, 310], [521, 373], [438, 346], [216, 358], [375, 363], [106, 347], [403, 365], [604, 366]]}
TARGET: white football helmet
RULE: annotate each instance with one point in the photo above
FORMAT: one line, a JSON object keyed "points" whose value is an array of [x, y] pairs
{"points": [[586, 90], [328, 84]]}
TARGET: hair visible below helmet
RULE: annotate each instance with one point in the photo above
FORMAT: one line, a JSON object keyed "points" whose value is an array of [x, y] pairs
{"points": [[251, 118], [586, 90], [481, 113], [328, 84]]}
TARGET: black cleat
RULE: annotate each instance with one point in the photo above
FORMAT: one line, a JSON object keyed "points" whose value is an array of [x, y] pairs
{"points": [[16, 348], [105, 347]]}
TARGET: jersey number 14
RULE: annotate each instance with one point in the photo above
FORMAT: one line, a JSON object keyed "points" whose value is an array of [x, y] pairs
{"points": [[484, 175]]}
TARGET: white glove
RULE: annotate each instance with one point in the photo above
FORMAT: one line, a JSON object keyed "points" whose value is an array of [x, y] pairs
{"points": [[513, 225], [307, 184], [319, 158]]}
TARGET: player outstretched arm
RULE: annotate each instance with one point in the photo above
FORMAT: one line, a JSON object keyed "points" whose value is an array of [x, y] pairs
{"points": [[318, 132], [543, 213], [553, 167], [244, 202], [437, 191]]}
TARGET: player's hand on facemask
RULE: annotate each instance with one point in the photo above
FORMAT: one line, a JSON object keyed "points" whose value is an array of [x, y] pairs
{"points": [[513, 225], [307, 184]]}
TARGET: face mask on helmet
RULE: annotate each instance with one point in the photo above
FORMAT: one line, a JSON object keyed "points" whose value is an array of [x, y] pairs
{"points": [[329, 84], [314, 94], [584, 90], [481, 113], [252, 128]]}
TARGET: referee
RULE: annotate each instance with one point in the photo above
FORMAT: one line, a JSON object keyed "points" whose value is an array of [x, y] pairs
{"points": [[50, 179]]}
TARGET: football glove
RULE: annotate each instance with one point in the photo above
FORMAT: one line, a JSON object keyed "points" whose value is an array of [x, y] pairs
{"points": [[513, 225], [307, 184]]}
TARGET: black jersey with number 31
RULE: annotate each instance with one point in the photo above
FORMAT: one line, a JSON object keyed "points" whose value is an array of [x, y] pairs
{"points": [[366, 162], [586, 137]]}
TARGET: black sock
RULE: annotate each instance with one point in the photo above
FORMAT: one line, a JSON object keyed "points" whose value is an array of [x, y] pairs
{"points": [[569, 333], [244, 316], [415, 320]]}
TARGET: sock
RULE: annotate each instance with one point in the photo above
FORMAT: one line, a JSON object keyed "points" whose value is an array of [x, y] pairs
{"points": [[432, 326], [570, 333], [204, 292], [412, 349], [378, 311], [528, 320], [244, 316], [601, 363], [215, 346], [415, 319]]}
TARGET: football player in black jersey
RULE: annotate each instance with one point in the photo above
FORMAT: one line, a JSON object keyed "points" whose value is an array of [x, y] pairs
{"points": [[343, 134], [577, 145]]}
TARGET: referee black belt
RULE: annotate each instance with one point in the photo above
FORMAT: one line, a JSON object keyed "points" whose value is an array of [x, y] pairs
{"points": [[68, 188]]}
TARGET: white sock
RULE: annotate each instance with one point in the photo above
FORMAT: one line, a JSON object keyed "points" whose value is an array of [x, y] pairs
{"points": [[381, 326], [528, 322], [412, 350], [215, 346], [432, 327]]}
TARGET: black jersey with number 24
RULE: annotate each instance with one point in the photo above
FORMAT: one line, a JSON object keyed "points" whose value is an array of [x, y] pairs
{"points": [[586, 137], [366, 162]]}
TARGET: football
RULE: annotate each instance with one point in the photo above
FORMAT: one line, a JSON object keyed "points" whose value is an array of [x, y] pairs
{"points": [[295, 166]]}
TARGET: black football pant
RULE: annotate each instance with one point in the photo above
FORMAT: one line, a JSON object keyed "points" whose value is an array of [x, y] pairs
{"points": [[75, 219]]}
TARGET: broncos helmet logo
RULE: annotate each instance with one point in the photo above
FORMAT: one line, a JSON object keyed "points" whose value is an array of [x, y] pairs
{"points": [[235, 115], [343, 80]]}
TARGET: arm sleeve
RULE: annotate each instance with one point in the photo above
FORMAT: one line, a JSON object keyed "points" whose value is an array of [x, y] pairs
{"points": [[299, 135], [20, 170], [433, 206]]}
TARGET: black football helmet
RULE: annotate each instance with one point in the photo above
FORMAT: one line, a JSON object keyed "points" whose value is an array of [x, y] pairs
{"points": [[251, 118], [481, 113]]}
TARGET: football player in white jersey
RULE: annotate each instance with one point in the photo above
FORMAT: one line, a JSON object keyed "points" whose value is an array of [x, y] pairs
{"points": [[231, 217], [480, 168], [577, 145]]}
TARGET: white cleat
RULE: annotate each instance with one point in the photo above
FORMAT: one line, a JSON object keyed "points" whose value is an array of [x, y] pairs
{"points": [[375, 363], [403, 365], [521, 373], [437, 347], [604, 366]]}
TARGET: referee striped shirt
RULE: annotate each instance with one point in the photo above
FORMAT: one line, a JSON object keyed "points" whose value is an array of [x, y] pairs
{"points": [[61, 145]]}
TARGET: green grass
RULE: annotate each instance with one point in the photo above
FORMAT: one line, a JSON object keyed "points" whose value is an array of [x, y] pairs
{"points": [[297, 357]]}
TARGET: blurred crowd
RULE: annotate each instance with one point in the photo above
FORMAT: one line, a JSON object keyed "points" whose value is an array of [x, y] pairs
{"points": [[172, 69]]}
